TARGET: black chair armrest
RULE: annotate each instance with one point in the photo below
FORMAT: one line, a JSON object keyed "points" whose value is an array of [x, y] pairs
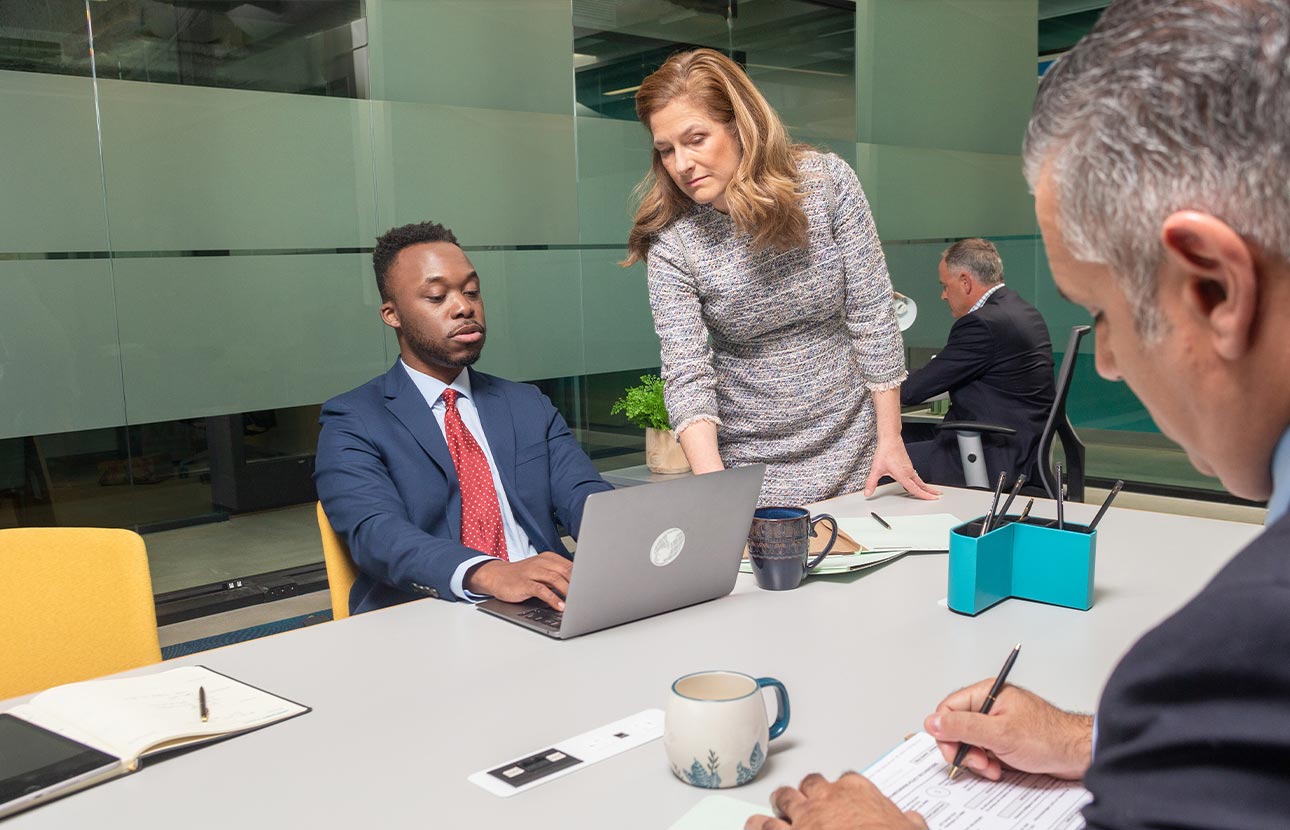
{"points": [[975, 426]]}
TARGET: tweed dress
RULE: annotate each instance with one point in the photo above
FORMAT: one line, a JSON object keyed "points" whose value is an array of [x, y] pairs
{"points": [[781, 349]]}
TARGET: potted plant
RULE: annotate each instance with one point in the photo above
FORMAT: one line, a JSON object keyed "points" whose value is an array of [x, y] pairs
{"points": [[643, 405]]}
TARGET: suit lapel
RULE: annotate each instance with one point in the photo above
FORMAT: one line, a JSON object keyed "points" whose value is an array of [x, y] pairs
{"points": [[499, 426], [406, 403]]}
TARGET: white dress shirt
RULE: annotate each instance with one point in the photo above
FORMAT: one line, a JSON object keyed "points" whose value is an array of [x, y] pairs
{"points": [[518, 545]]}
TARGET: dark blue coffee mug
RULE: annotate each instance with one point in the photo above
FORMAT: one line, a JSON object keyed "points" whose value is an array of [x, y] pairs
{"points": [[779, 544]]}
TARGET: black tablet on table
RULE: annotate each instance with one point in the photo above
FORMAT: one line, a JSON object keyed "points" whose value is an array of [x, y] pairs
{"points": [[37, 765]]}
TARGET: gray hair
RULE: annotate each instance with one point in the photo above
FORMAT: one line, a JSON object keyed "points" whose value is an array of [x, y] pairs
{"points": [[978, 257], [1167, 105]]}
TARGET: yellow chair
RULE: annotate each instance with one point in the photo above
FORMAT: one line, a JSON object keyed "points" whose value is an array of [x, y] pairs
{"points": [[341, 570], [75, 603]]}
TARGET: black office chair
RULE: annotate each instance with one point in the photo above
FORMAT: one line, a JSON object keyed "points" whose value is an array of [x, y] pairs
{"points": [[1058, 426]]}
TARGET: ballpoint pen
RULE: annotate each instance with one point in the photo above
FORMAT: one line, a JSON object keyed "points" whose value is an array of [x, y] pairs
{"points": [[880, 520], [1016, 488], [201, 704], [994, 503], [957, 766], [1102, 510], [1060, 518]]}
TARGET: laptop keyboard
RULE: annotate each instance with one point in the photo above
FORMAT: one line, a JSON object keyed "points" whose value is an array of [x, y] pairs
{"points": [[544, 616]]}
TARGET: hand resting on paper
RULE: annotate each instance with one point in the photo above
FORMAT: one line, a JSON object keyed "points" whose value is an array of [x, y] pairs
{"points": [[545, 576], [1023, 731], [850, 803]]}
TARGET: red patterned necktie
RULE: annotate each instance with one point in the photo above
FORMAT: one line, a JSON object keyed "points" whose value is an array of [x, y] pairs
{"points": [[481, 516]]}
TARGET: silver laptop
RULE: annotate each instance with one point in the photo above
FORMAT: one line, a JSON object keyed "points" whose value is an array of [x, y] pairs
{"points": [[648, 549]]}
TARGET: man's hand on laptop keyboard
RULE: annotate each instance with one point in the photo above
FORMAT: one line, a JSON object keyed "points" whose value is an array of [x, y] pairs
{"points": [[545, 576]]}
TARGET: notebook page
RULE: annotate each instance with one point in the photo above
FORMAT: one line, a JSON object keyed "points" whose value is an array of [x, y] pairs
{"points": [[926, 532], [133, 715]]}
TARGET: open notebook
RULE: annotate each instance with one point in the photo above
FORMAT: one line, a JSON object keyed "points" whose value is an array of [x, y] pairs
{"points": [[927, 532], [74, 736]]}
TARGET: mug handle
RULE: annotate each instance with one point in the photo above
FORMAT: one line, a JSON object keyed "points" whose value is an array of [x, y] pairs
{"points": [[817, 560], [781, 695]]}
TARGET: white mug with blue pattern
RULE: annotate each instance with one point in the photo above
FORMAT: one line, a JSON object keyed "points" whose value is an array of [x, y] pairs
{"points": [[715, 731]]}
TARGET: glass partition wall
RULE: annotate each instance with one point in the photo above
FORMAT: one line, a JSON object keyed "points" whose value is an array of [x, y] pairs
{"points": [[191, 192]]}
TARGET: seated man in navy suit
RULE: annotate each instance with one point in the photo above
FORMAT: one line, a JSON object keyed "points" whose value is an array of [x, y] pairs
{"points": [[997, 368], [444, 481], [1158, 156]]}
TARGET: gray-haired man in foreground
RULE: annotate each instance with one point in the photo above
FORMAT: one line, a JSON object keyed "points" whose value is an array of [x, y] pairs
{"points": [[1159, 155]]}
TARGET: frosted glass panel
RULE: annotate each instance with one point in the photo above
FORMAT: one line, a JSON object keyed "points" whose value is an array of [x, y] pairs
{"points": [[494, 54], [919, 193], [494, 177], [58, 348], [195, 168], [613, 156], [616, 319], [532, 302], [958, 74], [233, 334], [51, 192]]}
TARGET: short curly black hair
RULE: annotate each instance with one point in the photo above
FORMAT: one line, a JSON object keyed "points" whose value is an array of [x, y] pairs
{"points": [[389, 244]]}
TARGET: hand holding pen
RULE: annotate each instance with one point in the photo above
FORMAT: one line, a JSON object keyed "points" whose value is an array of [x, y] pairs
{"points": [[1022, 732], [986, 706]]}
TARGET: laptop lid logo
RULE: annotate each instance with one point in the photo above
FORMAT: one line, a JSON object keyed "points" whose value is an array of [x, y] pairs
{"points": [[667, 546]]}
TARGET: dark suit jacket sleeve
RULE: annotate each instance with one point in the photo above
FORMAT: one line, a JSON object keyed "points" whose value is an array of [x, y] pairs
{"points": [[573, 477], [966, 356], [1194, 726], [366, 508]]}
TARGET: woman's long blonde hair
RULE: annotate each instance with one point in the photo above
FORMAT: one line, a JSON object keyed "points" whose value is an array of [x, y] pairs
{"points": [[763, 196]]}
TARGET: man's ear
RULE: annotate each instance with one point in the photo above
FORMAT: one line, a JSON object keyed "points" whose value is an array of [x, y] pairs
{"points": [[1219, 277], [390, 314]]}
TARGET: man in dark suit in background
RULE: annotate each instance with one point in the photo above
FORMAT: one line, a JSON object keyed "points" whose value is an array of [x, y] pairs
{"points": [[447, 482], [1158, 156], [997, 368]]}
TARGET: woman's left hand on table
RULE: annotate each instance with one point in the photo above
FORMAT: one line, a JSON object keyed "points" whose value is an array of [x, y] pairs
{"points": [[891, 459]]}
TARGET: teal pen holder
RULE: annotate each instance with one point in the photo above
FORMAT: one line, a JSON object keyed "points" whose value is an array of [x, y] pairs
{"points": [[1029, 560]]}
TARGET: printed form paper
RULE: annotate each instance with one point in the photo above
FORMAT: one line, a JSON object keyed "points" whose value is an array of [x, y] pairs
{"points": [[916, 777]]}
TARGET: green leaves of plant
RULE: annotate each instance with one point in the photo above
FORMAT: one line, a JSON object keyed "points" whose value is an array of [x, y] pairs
{"points": [[643, 405]]}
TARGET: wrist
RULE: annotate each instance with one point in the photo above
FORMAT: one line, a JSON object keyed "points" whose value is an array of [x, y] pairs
{"points": [[1078, 745], [889, 434], [480, 579]]}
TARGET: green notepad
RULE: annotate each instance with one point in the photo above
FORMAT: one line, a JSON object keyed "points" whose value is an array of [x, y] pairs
{"points": [[719, 812]]}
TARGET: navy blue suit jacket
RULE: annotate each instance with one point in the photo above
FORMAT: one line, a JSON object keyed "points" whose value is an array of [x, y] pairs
{"points": [[1193, 730], [388, 485], [998, 368]]}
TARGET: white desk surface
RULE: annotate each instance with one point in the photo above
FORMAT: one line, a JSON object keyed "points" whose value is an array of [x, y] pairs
{"points": [[410, 700]]}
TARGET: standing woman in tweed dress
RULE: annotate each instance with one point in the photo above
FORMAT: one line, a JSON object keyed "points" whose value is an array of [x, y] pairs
{"points": [[769, 290]]}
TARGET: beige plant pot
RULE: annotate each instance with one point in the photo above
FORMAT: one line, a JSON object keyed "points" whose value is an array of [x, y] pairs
{"points": [[663, 453]]}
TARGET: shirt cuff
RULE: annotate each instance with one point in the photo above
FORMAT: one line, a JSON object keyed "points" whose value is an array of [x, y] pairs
{"points": [[459, 578]]}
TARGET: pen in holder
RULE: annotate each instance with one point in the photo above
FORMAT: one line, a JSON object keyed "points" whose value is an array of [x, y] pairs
{"points": [[1029, 559]]}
